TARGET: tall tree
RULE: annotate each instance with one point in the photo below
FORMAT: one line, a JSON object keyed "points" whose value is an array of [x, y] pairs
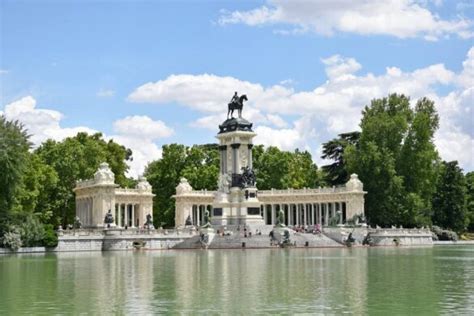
{"points": [[14, 146], [336, 173], [449, 201], [164, 175], [36, 193], [396, 160], [470, 199]]}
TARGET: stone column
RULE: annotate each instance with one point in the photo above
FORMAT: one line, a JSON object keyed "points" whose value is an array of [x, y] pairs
{"points": [[304, 216], [319, 213], [298, 213], [326, 214], [273, 214], [264, 213], [235, 158], [223, 165], [250, 164]]}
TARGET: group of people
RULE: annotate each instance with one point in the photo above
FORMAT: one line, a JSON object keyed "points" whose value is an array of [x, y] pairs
{"points": [[316, 229]]}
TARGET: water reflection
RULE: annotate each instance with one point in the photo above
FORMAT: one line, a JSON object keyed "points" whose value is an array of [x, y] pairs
{"points": [[335, 281]]}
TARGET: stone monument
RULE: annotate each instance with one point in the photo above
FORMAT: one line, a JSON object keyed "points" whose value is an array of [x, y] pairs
{"points": [[236, 200]]}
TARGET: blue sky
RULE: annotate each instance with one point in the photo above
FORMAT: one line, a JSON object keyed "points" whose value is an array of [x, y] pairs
{"points": [[148, 73]]}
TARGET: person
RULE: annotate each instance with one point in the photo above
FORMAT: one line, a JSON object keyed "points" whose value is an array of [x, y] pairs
{"points": [[235, 98]]}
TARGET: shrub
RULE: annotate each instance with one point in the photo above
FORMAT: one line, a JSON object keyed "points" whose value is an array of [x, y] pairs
{"points": [[50, 238], [444, 234], [12, 240], [32, 232]]}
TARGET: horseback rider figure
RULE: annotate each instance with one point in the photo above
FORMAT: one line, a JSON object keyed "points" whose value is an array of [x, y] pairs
{"points": [[236, 103]]}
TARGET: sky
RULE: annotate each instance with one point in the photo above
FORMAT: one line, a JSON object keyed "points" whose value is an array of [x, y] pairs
{"points": [[148, 73]]}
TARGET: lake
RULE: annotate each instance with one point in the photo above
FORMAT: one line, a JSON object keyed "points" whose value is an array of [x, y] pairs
{"points": [[360, 281]]}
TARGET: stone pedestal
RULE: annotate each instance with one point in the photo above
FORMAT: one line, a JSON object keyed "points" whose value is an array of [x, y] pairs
{"points": [[236, 201]]}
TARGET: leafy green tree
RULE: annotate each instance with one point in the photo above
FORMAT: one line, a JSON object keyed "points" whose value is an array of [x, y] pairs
{"points": [[77, 158], [302, 171], [271, 166], [164, 175], [449, 201], [14, 146], [202, 166], [470, 199], [336, 173], [279, 169], [418, 163], [36, 192], [396, 160]]}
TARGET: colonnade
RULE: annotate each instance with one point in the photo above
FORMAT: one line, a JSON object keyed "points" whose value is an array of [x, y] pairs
{"points": [[296, 214], [127, 214], [304, 214]]}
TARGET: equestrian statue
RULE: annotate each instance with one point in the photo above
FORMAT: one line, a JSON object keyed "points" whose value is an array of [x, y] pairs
{"points": [[237, 103]]}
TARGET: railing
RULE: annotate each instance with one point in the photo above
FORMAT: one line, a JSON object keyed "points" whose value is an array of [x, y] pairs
{"points": [[303, 191], [130, 191], [85, 183]]}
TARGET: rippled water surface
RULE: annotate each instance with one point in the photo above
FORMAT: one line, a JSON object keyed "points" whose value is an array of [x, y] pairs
{"points": [[402, 281]]}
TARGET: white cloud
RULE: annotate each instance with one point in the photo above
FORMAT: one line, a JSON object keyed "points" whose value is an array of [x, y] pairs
{"points": [[3, 71], [139, 133], [42, 124], [466, 79], [142, 127], [144, 151], [285, 139], [338, 67], [105, 93], [399, 18]]}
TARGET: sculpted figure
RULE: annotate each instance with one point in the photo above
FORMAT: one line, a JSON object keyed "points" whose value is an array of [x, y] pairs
{"points": [[109, 219], [281, 219], [206, 220], [236, 103], [188, 221]]}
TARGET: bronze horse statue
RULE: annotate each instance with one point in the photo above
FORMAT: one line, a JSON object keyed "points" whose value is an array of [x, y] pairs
{"points": [[236, 105]]}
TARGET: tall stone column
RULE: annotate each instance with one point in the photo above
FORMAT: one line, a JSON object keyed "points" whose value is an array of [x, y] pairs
{"points": [[326, 214], [250, 164], [273, 208], [235, 158], [304, 215], [223, 165]]}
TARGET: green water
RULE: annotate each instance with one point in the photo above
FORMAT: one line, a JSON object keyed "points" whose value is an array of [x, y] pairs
{"points": [[392, 281]]}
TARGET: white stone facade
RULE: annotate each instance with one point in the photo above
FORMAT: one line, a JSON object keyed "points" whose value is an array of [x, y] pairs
{"points": [[95, 197], [303, 207]]}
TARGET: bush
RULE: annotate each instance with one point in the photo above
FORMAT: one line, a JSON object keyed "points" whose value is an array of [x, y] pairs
{"points": [[12, 240], [443, 234], [32, 232], [50, 238]]}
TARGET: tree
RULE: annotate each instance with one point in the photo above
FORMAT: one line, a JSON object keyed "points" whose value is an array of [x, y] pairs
{"points": [[202, 166], [470, 199], [449, 201], [14, 146], [164, 175], [396, 160], [279, 169], [36, 192], [336, 173], [77, 158]]}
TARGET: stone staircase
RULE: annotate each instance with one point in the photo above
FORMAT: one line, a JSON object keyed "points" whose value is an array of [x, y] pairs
{"points": [[237, 240]]}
